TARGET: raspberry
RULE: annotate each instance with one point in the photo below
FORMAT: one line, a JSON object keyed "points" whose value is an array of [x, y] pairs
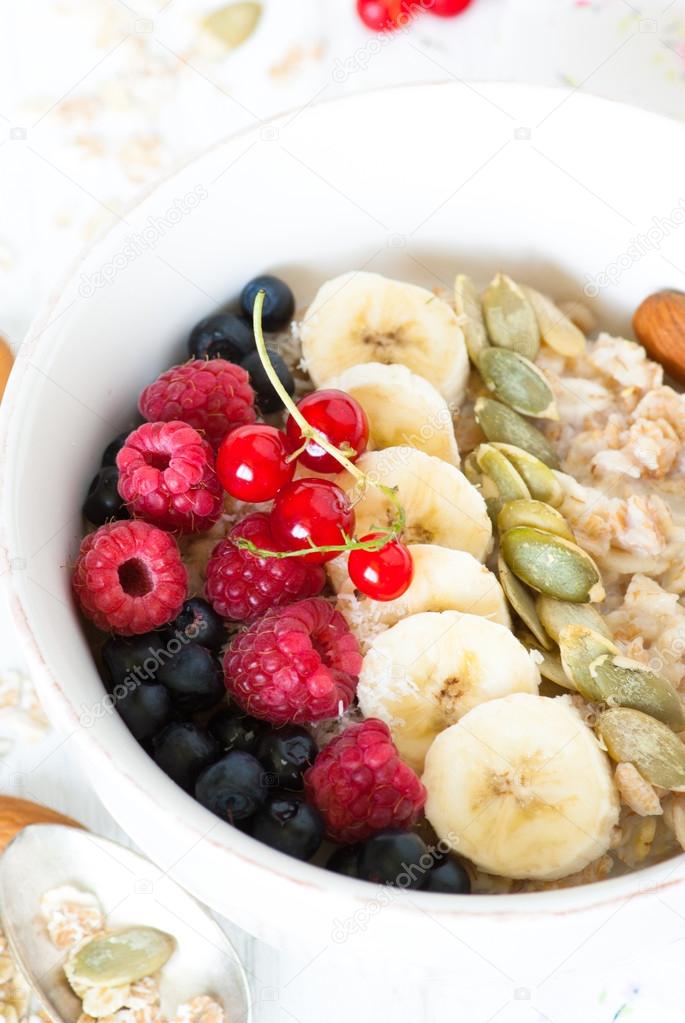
{"points": [[166, 476], [129, 577], [241, 585], [212, 396], [296, 664], [360, 785]]}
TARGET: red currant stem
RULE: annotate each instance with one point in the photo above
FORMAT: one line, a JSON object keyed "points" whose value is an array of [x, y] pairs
{"points": [[307, 431], [375, 544]]}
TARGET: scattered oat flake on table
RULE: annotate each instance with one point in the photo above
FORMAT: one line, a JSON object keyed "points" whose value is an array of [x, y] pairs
{"points": [[71, 915], [21, 715]]}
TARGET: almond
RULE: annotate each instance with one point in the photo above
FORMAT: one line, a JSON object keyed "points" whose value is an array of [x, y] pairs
{"points": [[6, 361], [17, 814], [659, 323]]}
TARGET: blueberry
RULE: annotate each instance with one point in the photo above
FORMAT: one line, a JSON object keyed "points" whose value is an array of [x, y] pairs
{"points": [[109, 455], [102, 500], [345, 860], [394, 858], [290, 825], [193, 677], [279, 302], [237, 731], [145, 710], [222, 336], [133, 659], [199, 622], [183, 750], [449, 876], [233, 788], [286, 754], [267, 399]]}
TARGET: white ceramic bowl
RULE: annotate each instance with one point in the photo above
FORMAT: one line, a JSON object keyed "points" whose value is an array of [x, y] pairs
{"points": [[417, 182]]}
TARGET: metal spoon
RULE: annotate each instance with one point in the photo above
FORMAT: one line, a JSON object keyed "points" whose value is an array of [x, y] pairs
{"points": [[131, 890]]}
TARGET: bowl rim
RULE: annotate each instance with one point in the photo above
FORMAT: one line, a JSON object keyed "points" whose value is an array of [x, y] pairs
{"points": [[517, 906]]}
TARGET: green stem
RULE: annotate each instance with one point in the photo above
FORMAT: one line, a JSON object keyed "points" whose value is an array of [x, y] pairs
{"points": [[307, 431]]}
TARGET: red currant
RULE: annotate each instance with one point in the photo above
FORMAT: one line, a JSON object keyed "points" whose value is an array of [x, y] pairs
{"points": [[339, 418], [448, 8], [384, 574], [252, 462], [311, 511], [383, 15]]}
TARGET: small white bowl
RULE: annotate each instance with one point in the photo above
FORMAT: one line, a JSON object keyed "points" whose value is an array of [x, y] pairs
{"points": [[417, 182]]}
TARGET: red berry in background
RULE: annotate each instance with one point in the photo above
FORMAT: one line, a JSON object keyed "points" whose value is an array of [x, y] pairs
{"points": [[384, 15], [241, 585], [297, 664], [342, 421], [252, 463], [448, 8], [384, 574], [360, 785], [312, 512]]}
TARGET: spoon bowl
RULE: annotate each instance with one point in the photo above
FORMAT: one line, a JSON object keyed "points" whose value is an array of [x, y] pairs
{"points": [[131, 890]]}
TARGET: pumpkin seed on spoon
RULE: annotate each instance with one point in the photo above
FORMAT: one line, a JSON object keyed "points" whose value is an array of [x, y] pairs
{"points": [[510, 318], [501, 424], [552, 565], [517, 382], [118, 957], [636, 738]]}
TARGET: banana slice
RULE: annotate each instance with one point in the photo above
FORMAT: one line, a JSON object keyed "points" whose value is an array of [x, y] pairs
{"points": [[365, 317], [402, 408], [522, 788], [426, 672], [441, 506], [444, 580]]}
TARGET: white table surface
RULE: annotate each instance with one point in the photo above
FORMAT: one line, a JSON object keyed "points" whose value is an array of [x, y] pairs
{"points": [[98, 98]]}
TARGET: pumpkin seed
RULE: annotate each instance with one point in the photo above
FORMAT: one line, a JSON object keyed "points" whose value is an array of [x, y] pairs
{"points": [[510, 317], [533, 513], [539, 478], [470, 313], [630, 684], [555, 615], [234, 23], [517, 382], [555, 327], [118, 957], [501, 472], [522, 602], [471, 470], [501, 424], [552, 565], [636, 738], [580, 647]]}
